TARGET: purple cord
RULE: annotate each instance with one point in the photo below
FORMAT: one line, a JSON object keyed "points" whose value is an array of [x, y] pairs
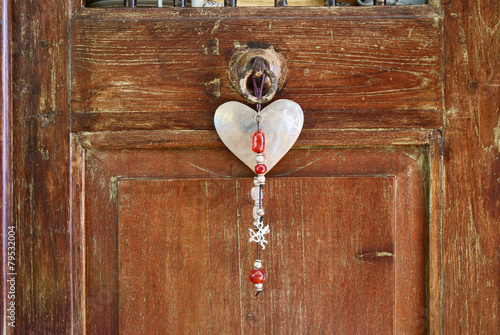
{"points": [[257, 90]]}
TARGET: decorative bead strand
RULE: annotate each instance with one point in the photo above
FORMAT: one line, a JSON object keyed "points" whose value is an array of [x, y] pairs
{"points": [[257, 234], [257, 275]]}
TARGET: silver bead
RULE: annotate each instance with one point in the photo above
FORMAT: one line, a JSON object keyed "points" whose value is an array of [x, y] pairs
{"points": [[260, 211], [255, 181], [261, 179], [259, 158], [258, 287], [257, 264]]}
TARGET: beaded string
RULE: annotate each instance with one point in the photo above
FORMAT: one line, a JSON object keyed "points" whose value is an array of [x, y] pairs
{"points": [[257, 275]]}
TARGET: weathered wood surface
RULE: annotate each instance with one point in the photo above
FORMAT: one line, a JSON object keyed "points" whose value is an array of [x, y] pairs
{"points": [[340, 284], [77, 259], [323, 274], [208, 138], [40, 158], [344, 71], [102, 121], [435, 214], [471, 235]]}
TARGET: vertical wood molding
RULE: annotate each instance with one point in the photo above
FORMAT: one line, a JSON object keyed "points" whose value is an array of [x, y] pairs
{"points": [[41, 165], [77, 217], [435, 260], [471, 235]]}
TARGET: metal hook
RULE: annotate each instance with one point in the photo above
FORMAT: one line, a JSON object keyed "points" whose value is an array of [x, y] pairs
{"points": [[258, 69], [259, 60]]}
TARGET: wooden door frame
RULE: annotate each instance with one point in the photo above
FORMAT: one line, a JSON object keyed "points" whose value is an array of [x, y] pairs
{"points": [[36, 169]]}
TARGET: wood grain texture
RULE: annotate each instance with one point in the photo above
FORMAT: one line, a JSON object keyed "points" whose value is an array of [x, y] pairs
{"points": [[208, 138], [102, 121], [75, 6], [69, 264], [178, 257], [77, 239], [105, 171], [184, 257], [435, 214], [41, 166], [384, 76], [471, 238], [321, 262]]}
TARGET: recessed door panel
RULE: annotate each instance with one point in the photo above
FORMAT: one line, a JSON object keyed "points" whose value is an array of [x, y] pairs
{"points": [[166, 240], [184, 256]]}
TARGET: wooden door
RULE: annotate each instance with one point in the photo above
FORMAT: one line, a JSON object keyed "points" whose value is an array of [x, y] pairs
{"points": [[132, 217], [164, 216]]}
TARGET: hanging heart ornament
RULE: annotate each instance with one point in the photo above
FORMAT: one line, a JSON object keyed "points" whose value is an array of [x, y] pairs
{"points": [[281, 122]]}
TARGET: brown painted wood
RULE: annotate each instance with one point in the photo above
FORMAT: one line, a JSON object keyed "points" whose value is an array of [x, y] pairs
{"points": [[201, 285], [192, 174], [76, 6], [55, 273], [471, 238], [435, 214], [103, 265], [347, 75], [307, 138], [40, 160], [102, 121], [77, 212], [197, 285]]}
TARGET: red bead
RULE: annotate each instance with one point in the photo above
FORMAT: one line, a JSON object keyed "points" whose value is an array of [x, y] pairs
{"points": [[258, 142], [260, 168], [257, 276]]}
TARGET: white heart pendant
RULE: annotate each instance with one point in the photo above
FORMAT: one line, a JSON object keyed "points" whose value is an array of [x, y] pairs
{"points": [[281, 124]]}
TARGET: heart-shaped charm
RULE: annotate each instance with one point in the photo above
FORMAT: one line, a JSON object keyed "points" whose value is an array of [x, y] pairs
{"points": [[281, 123]]}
